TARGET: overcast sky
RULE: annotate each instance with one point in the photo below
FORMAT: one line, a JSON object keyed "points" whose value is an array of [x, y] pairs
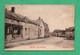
{"points": [[56, 16]]}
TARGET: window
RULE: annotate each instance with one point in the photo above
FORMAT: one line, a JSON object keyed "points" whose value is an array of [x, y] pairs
{"points": [[26, 30]]}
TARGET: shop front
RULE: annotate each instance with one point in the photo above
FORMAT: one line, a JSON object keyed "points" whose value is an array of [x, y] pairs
{"points": [[13, 31]]}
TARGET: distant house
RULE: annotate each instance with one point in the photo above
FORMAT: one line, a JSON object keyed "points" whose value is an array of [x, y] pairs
{"points": [[17, 25], [58, 33], [69, 33]]}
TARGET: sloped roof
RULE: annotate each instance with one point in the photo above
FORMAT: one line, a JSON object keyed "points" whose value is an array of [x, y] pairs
{"points": [[57, 30], [28, 20], [71, 29], [19, 17], [14, 16]]}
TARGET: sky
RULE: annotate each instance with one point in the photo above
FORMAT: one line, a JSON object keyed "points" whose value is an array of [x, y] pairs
{"points": [[56, 16]]}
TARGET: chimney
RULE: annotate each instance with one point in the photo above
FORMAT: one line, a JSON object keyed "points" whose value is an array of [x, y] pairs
{"points": [[39, 18], [13, 9]]}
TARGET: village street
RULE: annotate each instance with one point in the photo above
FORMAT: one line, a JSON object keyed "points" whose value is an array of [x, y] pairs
{"points": [[51, 43]]}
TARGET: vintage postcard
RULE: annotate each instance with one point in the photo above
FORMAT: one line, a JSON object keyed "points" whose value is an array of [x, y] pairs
{"points": [[39, 27]]}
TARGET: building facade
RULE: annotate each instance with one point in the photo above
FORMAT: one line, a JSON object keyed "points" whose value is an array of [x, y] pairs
{"points": [[59, 33], [17, 25], [69, 33], [13, 26]]}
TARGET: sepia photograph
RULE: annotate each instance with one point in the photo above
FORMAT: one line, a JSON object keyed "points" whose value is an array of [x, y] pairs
{"points": [[39, 27]]}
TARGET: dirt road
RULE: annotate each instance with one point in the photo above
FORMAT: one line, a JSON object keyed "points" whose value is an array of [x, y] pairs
{"points": [[51, 43]]}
